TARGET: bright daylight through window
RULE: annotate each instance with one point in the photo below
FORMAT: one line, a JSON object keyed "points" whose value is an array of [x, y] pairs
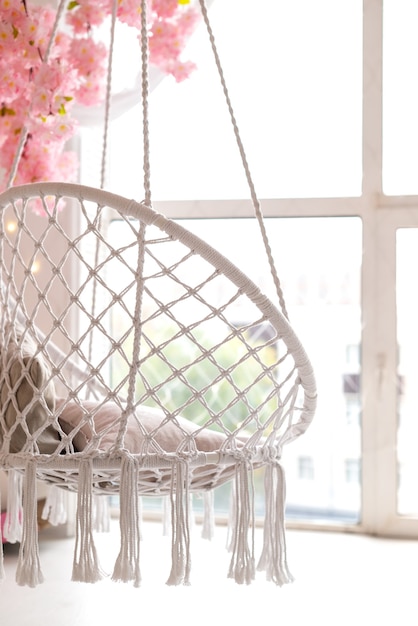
{"points": [[305, 80]]}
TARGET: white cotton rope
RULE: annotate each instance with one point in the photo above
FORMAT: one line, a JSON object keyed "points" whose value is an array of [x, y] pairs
{"points": [[273, 558], [129, 409], [86, 566], [13, 523], [255, 200], [242, 565], [180, 519], [127, 566], [166, 515], [28, 570], [108, 94], [145, 98]]}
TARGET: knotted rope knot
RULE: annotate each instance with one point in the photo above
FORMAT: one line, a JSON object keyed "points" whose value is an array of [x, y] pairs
{"points": [[90, 455], [243, 455], [271, 454], [126, 458], [7, 437], [149, 444], [188, 456]]}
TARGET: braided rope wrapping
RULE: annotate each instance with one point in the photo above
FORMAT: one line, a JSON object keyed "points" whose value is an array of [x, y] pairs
{"points": [[176, 329]]}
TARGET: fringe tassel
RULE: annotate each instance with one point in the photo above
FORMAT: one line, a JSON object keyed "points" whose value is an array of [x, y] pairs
{"points": [[85, 566], [127, 564], [232, 531], [180, 519], [101, 520], [13, 529], [140, 516], [28, 568], [242, 565], [55, 507], [273, 557], [166, 516], [208, 528]]}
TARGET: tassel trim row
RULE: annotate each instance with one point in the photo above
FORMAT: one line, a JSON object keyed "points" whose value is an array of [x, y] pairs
{"points": [[93, 515]]}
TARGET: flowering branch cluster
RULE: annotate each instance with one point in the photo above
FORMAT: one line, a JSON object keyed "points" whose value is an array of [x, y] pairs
{"points": [[39, 86]]}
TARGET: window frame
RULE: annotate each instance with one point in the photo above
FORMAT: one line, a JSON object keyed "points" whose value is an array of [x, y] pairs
{"points": [[378, 412], [380, 215]]}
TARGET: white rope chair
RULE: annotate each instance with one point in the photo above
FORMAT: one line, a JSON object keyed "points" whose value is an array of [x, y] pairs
{"points": [[153, 367]]}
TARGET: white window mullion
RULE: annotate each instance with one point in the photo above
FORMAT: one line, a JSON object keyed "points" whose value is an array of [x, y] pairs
{"points": [[372, 97], [373, 355]]}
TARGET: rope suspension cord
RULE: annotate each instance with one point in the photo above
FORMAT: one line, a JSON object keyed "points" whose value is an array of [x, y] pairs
{"points": [[103, 172], [142, 229], [145, 102], [108, 94], [254, 198]]}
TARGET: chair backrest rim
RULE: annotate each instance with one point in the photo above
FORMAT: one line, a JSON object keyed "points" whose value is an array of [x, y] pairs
{"points": [[148, 215]]}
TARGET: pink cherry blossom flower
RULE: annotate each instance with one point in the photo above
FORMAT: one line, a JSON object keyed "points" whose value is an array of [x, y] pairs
{"points": [[165, 8], [84, 15], [38, 94]]}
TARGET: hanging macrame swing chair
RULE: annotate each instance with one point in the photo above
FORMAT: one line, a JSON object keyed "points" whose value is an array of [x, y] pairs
{"points": [[173, 378]]}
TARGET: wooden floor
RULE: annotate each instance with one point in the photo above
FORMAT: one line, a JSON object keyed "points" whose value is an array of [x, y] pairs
{"points": [[340, 579]]}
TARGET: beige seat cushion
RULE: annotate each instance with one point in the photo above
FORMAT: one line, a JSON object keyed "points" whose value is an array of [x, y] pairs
{"points": [[94, 427], [101, 429], [23, 373]]}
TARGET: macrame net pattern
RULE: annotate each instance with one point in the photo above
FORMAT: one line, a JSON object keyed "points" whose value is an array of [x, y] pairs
{"points": [[145, 366], [160, 321]]}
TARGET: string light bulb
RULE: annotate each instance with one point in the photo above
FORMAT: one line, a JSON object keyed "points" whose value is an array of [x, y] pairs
{"points": [[11, 227]]}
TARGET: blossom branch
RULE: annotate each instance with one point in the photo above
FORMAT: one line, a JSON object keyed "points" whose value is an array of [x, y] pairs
{"points": [[38, 93]]}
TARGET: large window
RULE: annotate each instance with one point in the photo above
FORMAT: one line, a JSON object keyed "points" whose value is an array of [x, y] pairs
{"points": [[298, 106], [400, 97], [325, 99]]}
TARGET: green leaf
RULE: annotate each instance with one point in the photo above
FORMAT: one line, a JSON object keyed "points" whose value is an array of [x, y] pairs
{"points": [[62, 110], [72, 5], [15, 32]]}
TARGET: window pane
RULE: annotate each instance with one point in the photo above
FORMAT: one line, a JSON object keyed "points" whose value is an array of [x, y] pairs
{"points": [[319, 262], [407, 333], [322, 292], [294, 74], [400, 97]]}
